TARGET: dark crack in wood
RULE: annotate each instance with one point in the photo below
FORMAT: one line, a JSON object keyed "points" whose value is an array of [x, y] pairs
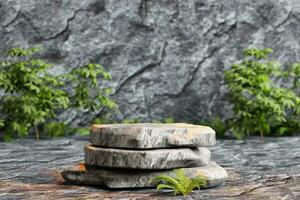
{"points": [[249, 190], [267, 182]]}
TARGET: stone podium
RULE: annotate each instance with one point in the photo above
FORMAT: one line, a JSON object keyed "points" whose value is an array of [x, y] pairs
{"points": [[130, 155]]}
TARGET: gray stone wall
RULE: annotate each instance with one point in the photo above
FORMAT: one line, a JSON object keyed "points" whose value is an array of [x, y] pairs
{"points": [[166, 57]]}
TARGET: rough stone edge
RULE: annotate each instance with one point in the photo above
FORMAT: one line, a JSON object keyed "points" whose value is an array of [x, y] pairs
{"points": [[193, 157], [168, 140]]}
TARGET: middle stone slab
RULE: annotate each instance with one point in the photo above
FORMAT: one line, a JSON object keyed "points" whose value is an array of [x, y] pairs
{"points": [[146, 159]]}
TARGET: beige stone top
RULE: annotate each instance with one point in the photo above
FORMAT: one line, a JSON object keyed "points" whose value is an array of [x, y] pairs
{"points": [[152, 135]]}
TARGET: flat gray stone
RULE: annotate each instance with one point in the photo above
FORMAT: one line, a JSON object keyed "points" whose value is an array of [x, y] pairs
{"points": [[146, 159], [152, 135], [120, 178]]}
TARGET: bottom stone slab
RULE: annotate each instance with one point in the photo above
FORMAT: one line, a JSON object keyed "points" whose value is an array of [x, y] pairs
{"points": [[123, 178]]}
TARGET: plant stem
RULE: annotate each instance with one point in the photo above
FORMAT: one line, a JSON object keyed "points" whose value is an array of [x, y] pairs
{"points": [[261, 136], [37, 133]]}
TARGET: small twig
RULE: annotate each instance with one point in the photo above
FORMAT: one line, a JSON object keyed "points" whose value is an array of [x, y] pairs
{"points": [[261, 136], [37, 133]]}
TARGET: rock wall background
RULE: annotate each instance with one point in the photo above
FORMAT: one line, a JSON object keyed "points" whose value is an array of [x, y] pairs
{"points": [[166, 56]]}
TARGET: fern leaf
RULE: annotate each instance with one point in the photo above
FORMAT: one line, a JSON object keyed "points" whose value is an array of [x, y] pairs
{"points": [[184, 181], [164, 178], [164, 186], [181, 184], [199, 182], [180, 174]]}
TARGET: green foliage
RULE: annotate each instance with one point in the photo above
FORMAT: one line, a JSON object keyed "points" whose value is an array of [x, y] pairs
{"points": [[99, 120], [85, 82], [292, 125], [259, 104], [219, 125], [294, 72], [33, 96], [1, 123], [181, 184], [56, 129], [169, 120], [131, 121], [137, 120], [82, 131]]}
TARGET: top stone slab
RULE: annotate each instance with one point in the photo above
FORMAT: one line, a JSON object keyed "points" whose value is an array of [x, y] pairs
{"points": [[152, 135]]}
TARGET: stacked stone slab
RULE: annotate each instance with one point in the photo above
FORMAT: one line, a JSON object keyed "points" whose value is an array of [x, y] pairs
{"points": [[130, 155]]}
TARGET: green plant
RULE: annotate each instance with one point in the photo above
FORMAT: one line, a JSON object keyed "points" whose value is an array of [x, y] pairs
{"points": [[99, 120], [259, 104], [82, 131], [294, 72], [56, 129], [33, 96], [169, 120], [219, 125], [86, 93], [131, 121], [181, 184], [292, 125]]}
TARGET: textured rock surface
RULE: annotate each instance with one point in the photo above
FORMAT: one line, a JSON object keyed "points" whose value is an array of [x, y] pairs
{"points": [[144, 136], [215, 174], [166, 56], [29, 170], [146, 159]]}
